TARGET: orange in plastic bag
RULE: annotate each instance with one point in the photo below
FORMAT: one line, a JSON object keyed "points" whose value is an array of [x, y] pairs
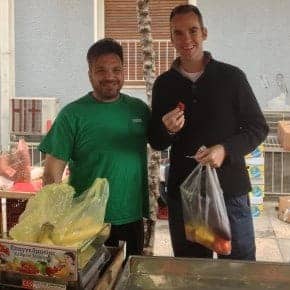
{"points": [[203, 235], [222, 246]]}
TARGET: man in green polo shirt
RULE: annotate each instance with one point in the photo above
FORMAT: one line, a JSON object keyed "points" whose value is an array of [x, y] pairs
{"points": [[104, 134]]}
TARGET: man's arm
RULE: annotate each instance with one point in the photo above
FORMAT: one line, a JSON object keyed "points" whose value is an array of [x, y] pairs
{"points": [[53, 170], [165, 122], [253, 128]]}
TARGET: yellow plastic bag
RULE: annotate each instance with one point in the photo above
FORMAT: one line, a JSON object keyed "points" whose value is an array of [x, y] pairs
{"points": [[85, 218], [47, 206], [54, 217]]}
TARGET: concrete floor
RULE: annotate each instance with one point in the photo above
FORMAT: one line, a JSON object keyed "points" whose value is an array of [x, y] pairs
{"points": [[272, 236]]}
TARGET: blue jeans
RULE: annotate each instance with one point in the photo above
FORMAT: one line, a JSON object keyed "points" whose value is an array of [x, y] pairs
{"points": [[243, 236], [241, 222]]}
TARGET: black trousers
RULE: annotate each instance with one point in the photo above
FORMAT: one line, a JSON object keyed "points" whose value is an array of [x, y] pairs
{"points": [[131, 233], [241, 222]]}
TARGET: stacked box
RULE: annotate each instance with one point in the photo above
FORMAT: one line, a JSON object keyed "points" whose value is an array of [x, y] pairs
{"points": [[257, 209], [284, 208], [257, 193], [284, 134], [37, 266], [255, 166]]}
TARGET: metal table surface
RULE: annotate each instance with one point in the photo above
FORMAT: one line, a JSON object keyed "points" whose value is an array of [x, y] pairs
{"points": [[203, 274]]}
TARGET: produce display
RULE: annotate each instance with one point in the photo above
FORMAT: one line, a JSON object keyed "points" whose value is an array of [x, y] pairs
{"points": [[57, 237], [54, 217]]}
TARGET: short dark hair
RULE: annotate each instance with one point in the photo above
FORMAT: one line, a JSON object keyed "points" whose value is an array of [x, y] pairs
{"points": [[104, 46], [183, 9]]}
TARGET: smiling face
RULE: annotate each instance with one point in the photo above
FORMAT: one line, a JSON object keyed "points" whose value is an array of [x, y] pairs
{"points": [[187, 37], [107, 77]]}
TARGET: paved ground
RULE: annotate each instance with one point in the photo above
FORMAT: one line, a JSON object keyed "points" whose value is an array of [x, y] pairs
{"points": [[272, 236]]}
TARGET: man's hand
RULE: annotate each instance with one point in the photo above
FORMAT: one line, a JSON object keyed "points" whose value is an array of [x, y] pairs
{"points": [[214, 156], [174, 120]]}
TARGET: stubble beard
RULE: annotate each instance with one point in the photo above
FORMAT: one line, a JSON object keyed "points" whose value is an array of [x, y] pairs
{"points": [[105, 96]]}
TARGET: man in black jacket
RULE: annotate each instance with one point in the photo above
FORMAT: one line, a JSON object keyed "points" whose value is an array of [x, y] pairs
{"points": [[219, 111]]}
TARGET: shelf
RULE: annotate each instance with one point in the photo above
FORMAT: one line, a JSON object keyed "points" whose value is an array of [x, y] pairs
{"points": [[16, 194]]}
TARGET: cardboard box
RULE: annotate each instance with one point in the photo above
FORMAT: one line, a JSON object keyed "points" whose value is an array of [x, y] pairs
{"points": [[257, 153], [255, 161], [284, 208], [257, 193], [101, 275], [256, 200], [39, 266], [109, 277], [284, 134], [257, 209], [37, 260], [256, 173], [257, 181], [258, 190]]}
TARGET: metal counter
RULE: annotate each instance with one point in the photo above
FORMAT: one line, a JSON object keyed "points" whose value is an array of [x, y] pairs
{"points": [[203, 274]]}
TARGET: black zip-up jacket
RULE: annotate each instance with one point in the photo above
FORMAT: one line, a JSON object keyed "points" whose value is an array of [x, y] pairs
{"points": [[220, 108]]}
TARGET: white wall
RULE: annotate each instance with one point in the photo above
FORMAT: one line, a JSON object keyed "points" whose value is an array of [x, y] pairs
{"points": [[254, 35], [52, 39]]}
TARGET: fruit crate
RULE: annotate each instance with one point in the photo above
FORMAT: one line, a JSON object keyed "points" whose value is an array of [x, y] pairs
{"points": [[38, 266]]}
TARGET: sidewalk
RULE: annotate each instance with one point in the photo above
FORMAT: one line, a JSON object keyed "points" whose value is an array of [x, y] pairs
{"points": [[272, 236]]}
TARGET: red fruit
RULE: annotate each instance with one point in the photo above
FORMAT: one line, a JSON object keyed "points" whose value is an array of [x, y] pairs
{"points": [[222, 246], [50, 271], [28, 268], [4, 250], [181, 106]]}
